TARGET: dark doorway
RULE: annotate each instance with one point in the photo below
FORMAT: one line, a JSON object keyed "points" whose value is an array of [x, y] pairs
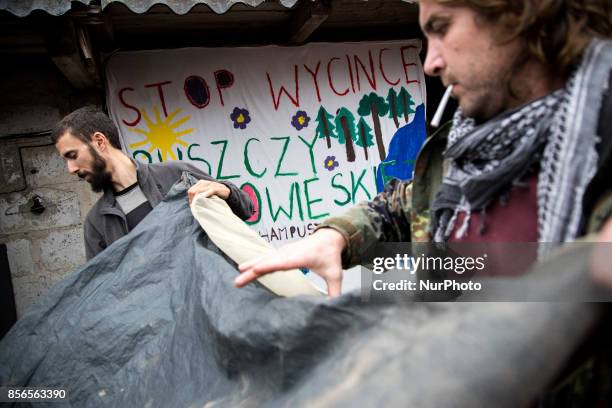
{"points": [[8, 312]]}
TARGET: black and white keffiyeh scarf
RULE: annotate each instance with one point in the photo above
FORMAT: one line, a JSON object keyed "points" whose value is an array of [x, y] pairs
{"points": [[556, 132]]}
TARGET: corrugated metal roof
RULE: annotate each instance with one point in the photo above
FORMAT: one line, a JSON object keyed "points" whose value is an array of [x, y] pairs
{"points": [[183, 6], [22, 8]]}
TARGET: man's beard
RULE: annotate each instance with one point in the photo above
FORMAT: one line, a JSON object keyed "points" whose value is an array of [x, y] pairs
{"points": [[100, 178]]}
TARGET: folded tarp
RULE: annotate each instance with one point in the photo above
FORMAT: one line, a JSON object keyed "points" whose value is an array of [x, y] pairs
{"points": [[155, 321], [239, 242]]}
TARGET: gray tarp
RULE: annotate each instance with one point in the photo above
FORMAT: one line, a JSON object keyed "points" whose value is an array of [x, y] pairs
{"points": [[155, 321]]}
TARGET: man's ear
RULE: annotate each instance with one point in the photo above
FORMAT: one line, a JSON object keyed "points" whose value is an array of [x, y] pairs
{"points": [[99, 140]]}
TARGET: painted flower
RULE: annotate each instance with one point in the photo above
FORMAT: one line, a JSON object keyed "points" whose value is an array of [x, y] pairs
{"points": [[331, 163], [240, 117], [300, 120]]}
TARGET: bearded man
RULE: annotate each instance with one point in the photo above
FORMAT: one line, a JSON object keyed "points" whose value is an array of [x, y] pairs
{"points": [[88, 141]]}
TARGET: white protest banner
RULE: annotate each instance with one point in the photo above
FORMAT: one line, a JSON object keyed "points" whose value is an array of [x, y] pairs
{"points": [[307, 131]]}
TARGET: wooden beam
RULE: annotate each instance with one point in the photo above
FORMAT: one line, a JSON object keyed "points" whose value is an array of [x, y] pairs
{"points": [[308, 16], [98, 23], [72, 68], [70, 50]]}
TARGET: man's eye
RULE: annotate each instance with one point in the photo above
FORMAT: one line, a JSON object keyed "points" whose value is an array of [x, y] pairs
{"points": [[439, 29]]}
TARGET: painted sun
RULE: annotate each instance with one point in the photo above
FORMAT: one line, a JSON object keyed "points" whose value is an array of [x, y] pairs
{"points": [[162, 134]]}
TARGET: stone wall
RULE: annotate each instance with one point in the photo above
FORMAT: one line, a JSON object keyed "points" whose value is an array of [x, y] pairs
{"points": [[42, 247]]}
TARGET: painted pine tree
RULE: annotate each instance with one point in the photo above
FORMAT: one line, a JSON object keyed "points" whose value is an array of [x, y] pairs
{"points": [[405, 103], [325, 127], [392, 101], [345, 125], [365, 138], [375, 106]]}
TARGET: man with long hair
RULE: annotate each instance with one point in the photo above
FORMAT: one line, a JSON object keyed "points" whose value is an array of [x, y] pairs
{"points": [[524, 157], [527, 156]]}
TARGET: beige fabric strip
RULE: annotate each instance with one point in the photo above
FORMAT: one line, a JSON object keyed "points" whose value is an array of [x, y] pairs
{"points": [[241, 243]]}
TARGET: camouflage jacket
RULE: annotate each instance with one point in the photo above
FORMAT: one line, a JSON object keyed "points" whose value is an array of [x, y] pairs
{"points": [[401, 213]]}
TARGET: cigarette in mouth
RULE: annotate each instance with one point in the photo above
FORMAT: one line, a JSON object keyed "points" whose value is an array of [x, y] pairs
{"points": [[438, 116]]}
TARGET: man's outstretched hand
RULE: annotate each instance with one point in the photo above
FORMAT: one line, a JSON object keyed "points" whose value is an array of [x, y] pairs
{"points": [[321, 253]]}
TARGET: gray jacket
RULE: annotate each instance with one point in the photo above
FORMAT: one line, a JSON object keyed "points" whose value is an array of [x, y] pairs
{"points": [[106, 222]]}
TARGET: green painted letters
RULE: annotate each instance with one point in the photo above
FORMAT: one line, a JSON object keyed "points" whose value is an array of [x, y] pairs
{"points": [[282, 156], [309, 201], [247, 163], [219, 176]]}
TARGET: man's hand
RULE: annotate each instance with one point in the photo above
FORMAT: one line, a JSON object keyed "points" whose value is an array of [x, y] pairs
{"points": [[601, 260], [208, 188], [321, 253]]}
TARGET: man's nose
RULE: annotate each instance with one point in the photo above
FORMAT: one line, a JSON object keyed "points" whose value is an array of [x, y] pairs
{"points": [[434, 63], [72, 168]]}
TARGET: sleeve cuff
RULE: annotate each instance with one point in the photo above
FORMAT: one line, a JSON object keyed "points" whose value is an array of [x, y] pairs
{"points": [[350, 255]]}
